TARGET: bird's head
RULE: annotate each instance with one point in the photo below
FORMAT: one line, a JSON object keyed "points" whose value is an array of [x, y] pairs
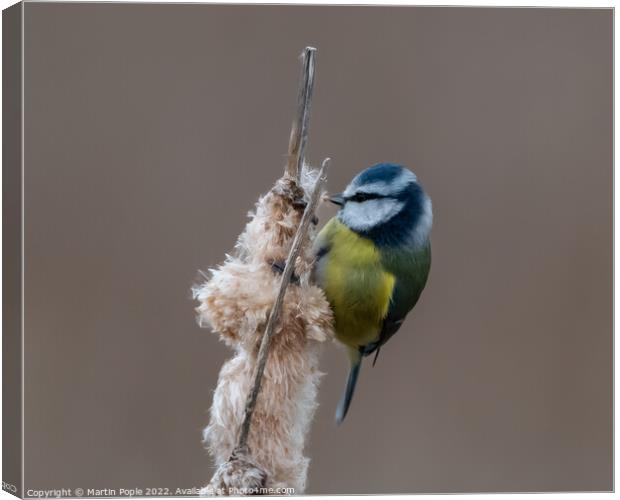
{"points": [[387, 204]]}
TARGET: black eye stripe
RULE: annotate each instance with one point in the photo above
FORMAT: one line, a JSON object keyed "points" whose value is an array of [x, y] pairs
{"points": [[364, 197]]}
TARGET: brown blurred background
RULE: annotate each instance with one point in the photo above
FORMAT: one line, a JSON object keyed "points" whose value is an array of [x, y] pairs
{"points": [[151, 130]]}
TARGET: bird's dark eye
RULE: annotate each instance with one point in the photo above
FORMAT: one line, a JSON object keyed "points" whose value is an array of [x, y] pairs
{"points": [[360, 197]]}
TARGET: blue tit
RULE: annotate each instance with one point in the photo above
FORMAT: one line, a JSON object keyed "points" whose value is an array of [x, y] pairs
{"points": [[372, 261]]}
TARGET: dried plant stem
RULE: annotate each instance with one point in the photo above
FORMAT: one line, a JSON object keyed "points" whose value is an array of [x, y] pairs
{"points": [[263, 352], [299, 131]]}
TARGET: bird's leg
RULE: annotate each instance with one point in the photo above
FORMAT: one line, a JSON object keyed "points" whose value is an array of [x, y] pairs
{"points": [[376, 355], [277, 266], [301, 204]]}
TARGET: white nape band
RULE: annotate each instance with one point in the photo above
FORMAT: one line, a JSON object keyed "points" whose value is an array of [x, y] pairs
{"points": [[421, 231]]}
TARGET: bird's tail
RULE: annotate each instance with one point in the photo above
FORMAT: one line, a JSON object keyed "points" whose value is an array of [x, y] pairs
{"points": [[345, 401]]}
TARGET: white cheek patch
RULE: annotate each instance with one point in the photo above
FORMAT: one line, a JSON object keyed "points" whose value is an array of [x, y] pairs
{"points": [[363, 216]]}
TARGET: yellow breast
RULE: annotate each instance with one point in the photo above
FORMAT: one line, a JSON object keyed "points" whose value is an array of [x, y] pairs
{"points": [[355, 283]]}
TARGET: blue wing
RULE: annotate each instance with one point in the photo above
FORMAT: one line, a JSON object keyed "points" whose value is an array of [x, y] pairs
{"points": [[411, 274]]}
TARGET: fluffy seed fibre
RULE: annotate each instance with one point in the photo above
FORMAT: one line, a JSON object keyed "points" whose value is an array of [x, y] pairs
{"points": [[235, 302]]}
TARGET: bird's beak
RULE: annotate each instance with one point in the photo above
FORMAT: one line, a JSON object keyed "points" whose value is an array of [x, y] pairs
{"points": [[336, 199]]}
